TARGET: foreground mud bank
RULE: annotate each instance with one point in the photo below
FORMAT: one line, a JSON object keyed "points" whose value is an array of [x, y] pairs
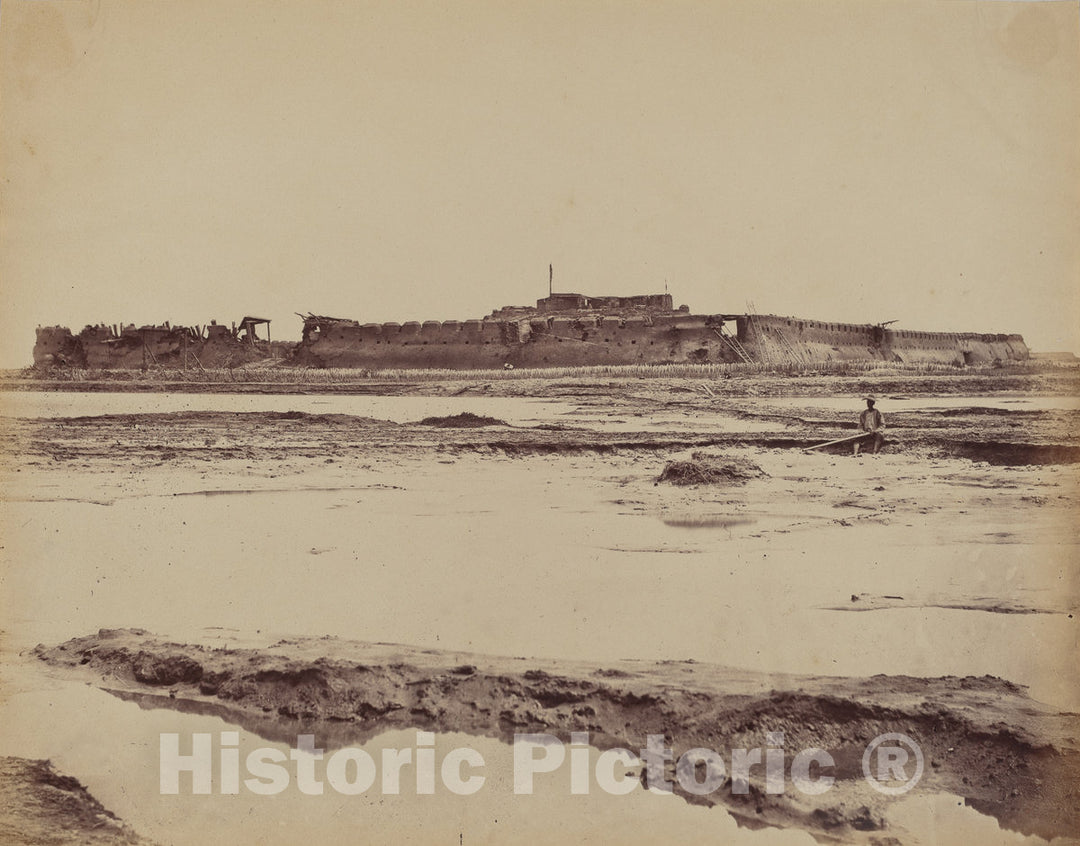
{"points": [[983, 739], [38, 805]]}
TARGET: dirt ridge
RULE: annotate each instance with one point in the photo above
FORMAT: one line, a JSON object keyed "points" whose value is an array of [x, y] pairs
{"points": [[983, 738], [39, 805]]}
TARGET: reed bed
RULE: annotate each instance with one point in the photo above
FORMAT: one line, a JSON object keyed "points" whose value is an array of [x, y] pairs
{"points": [[279, 374]]}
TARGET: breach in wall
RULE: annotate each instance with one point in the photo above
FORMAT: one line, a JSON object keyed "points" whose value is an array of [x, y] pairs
{"points": [[561, 330]]}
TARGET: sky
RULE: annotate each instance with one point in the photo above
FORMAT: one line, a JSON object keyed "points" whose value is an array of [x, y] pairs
{"points": [[845, 161]]}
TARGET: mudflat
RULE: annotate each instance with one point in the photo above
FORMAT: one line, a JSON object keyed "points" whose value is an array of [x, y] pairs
{"points": [[543, 574]]}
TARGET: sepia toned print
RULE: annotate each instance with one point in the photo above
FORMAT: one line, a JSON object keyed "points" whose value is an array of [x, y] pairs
{"points": [[539, 423]]}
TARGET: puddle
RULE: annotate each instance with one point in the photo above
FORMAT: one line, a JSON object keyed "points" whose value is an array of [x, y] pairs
{"points": [[112, 745], [942, 818]]}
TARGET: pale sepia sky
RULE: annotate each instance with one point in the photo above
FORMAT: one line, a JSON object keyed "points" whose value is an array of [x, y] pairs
{"points": [[850, 161]]}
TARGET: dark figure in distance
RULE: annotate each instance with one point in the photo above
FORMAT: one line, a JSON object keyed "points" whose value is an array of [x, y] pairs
{"points": [[871, 422]]}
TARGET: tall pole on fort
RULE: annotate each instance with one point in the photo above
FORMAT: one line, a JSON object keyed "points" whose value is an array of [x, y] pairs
{"points": [[551, 277]]}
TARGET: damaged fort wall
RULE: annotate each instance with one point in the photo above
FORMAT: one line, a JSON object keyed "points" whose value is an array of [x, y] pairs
{"points": [[129, 347], [537, 342], [774, 338], [642, 330], [56, 345], [984, 349], [912, 347], [770, 338]]}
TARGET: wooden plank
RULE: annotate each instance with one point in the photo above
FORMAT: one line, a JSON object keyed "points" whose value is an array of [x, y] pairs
{"points": [[839, 441]]}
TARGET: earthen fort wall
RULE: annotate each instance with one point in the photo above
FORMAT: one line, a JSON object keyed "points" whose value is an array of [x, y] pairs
{"points": [[645, 330]]}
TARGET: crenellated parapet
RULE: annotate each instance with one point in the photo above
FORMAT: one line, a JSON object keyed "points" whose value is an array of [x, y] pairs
{"points": [[598, 330]]}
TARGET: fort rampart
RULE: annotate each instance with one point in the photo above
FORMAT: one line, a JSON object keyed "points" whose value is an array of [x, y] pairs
{"points": [[130, 347], [566, 339], [562, 330]]}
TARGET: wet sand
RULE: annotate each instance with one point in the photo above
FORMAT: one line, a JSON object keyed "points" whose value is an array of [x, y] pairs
{"points": [[950, 557]]}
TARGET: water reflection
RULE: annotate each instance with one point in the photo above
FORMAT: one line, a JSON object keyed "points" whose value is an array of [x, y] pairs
{"points": [[706, 521], [111, 744]]}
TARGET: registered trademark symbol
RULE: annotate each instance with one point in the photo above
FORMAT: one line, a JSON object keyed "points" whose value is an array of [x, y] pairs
{"points": [[887, 760]]}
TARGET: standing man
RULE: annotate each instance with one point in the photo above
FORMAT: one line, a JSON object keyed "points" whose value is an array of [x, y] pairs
{"points": [[871, 422]]}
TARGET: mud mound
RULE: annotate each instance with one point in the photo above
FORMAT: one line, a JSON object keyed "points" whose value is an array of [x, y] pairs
{"points": [[465, 420], [39, 805], [706, 469], [983, 738]]}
